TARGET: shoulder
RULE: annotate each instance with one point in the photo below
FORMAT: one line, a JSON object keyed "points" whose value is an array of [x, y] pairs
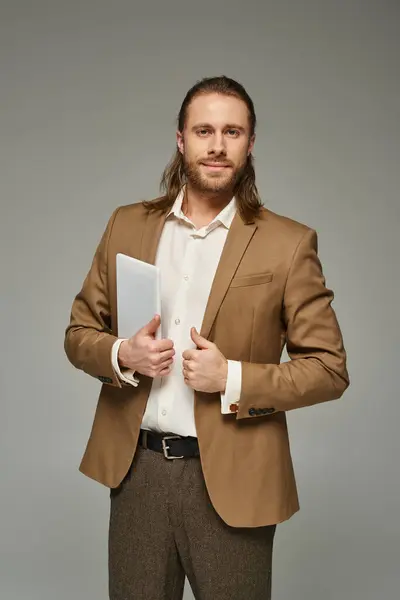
{"points": [[281, 224], [135, 213], [135, 210], [284, 233]]}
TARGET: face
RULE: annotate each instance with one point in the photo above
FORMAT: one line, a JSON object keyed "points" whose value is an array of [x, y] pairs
{"points": [[215, 142]]}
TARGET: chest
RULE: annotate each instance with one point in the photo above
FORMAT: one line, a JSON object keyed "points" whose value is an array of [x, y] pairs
{"points": [[188, 261]]}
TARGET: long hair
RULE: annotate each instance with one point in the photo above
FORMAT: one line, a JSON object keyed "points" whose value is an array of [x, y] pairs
{"points": [[173, 177]]}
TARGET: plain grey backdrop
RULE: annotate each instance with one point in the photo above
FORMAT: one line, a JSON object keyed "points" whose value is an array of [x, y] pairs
{"points": [[89, 94]]}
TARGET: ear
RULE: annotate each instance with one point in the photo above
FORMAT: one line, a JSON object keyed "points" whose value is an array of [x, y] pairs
{"points": [[180, 141], [251, 143]]}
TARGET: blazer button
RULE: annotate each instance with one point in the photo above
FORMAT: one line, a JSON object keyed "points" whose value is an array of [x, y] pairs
{"points": [[252, 412]]}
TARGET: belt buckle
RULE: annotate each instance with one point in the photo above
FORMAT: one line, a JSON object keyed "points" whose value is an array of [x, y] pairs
{"points": [[166, 448]]}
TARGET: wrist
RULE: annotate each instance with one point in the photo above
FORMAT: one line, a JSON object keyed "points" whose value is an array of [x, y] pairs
{"points": [[224, 378], [121, 356]]}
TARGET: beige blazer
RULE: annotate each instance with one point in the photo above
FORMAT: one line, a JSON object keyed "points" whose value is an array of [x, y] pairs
{"points": [[268, 291]]}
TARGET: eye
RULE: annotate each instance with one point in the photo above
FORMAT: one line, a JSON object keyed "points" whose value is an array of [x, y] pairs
{"points": [[233, 132], [202, 132]]}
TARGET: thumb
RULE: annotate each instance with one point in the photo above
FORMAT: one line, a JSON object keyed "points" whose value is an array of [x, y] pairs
{"points": [[151, 327], [200, 341]]}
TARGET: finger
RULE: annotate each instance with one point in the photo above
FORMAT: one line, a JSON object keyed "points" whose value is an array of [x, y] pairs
{"points": [[166, 363], [162, 345], [157, 360], [152, 326], [166, 371], [166, 355], [188, 382], [200, 342]]}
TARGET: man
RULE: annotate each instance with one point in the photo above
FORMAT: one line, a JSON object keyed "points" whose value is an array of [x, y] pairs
{"points": [[190, 430]]}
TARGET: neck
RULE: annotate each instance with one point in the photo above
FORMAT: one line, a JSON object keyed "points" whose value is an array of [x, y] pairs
{"points": [[203, 207]]}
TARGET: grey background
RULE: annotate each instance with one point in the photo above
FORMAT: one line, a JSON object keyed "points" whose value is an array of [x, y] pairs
{"points": [[89, 94]]}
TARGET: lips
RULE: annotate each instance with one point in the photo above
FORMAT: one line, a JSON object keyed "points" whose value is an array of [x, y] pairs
{"points": [[216, 165]]}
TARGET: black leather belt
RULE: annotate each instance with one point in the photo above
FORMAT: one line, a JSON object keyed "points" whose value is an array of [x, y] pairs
{"points": [[172, 446]]}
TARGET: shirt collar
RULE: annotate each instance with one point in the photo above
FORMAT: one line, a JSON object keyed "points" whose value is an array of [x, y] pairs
{"points": [[225, 217]]}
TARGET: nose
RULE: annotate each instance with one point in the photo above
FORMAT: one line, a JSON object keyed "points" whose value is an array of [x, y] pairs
{"points": [[217, 145]]}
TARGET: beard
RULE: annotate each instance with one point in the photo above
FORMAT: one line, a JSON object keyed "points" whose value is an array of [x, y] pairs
{"points": [[213, 182]]}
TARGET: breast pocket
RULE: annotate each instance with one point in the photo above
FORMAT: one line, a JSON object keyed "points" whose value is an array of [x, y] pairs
{"points": [[255, 279]]}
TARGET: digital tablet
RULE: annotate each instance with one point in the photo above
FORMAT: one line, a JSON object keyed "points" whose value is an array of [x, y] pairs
{"points": [[138, 295]]}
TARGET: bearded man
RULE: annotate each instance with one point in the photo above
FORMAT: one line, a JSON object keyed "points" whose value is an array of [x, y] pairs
{"points": [[190, 431]]}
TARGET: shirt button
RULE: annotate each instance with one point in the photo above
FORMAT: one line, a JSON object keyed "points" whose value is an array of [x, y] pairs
{"points": [[186, 277], [177, 321], [164, 412]]}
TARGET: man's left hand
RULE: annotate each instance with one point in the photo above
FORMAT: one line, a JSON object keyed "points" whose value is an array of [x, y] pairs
{"points": [[205, 368]]}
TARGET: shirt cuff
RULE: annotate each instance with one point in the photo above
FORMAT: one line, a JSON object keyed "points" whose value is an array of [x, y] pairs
{"points": [[128, 374], [230, 399]]}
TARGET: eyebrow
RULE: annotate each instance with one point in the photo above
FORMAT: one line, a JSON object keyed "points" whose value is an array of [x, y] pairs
{"points": [[227, 126]]}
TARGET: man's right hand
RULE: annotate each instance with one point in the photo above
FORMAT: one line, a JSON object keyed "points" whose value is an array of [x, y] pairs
{"points": [[146, 355]]}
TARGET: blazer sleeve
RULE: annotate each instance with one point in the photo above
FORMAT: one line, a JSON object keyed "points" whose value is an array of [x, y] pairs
{"points": [[88, 338], [317, 370]]}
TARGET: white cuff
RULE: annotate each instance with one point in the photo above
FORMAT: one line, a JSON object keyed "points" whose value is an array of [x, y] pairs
{"points": [[128, 374], [233, 386]]}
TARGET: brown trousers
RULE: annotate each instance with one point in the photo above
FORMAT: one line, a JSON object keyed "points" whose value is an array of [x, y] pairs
{"points": [[163, 527]]}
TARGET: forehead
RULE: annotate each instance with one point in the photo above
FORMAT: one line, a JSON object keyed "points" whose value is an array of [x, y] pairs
{"points": [[217, 110]]}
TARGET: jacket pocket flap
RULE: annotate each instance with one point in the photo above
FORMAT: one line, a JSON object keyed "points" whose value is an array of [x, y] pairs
{"points": [[256, 279]]}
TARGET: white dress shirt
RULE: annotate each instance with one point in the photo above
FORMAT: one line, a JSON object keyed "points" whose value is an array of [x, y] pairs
{"points": [[188, 259]]}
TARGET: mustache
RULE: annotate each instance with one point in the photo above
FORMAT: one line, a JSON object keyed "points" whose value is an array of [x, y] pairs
{"points": [[222, 163]]}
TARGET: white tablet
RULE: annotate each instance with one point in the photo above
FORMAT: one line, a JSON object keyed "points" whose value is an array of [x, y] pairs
{"points": [[138, 295]]}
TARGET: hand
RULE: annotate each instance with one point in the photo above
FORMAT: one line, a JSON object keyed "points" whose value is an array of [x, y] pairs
{"points": [[146, 355], [205, 369]]}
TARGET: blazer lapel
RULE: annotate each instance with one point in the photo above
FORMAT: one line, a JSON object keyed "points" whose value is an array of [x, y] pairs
{"points": [[237, 240], [151, 235]]}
